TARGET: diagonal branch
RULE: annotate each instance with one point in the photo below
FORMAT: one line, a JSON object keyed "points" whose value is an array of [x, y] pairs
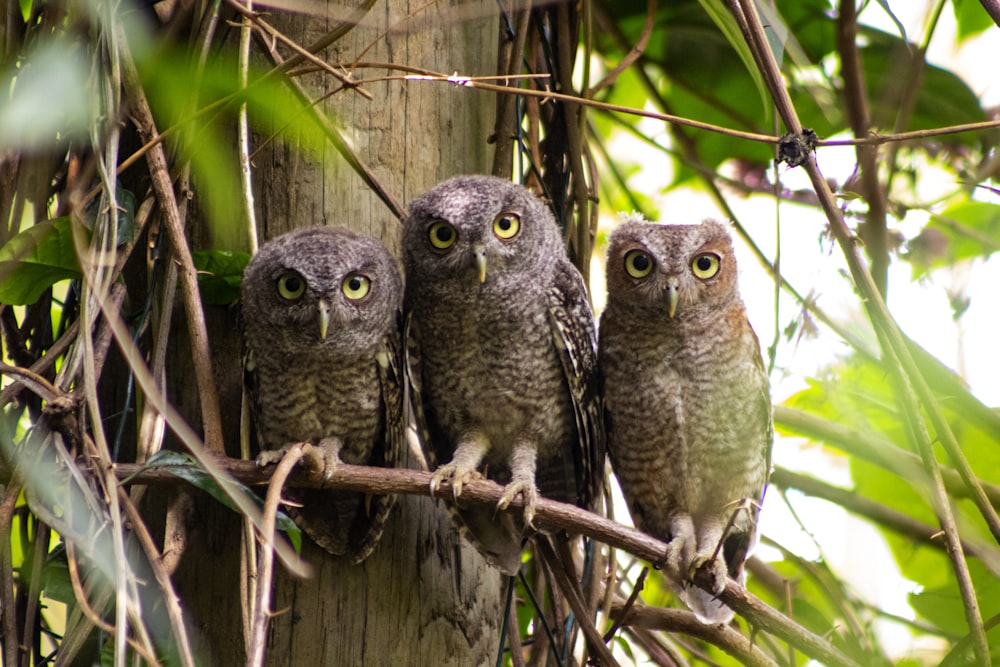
{"points": [[909, 383], [550, 516], [211, 413]]}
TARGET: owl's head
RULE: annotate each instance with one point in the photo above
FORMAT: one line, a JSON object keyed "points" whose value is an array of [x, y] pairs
{"points": [[322, 287], [677, 271], [478, 230]]}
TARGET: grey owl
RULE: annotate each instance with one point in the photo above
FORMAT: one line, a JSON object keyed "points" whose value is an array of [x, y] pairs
{"points": [[687, 404], [502, 354], [321, 314]]}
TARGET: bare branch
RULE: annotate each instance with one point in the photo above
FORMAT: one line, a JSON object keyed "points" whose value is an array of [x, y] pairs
{"points": [[678, 620], [550, 516]]}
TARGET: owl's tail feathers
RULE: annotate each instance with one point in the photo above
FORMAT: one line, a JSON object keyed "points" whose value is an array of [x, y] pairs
{"points": [[706, 607], [495, 534], [343, 523], [368, 526]]}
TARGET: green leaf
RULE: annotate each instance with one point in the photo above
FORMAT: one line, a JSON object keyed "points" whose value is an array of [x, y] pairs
{"points": [[942, 605], [972, 19], [726, 22], [962, 231], [56, 579], [36, 259], [220, 273], [943, 98], [183, 466]]}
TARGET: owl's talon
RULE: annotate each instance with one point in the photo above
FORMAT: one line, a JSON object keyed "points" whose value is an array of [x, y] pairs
{"points": [[457, 475], [715, 567], [671, 561], [528, 493], [269, 456]]}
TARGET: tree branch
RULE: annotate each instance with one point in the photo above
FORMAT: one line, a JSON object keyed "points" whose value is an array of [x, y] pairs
{"points": [[905, 525], [550, 516], [678, 620]]}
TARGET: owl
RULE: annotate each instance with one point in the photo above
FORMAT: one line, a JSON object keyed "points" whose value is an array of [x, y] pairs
{"points": [[687, 404], [502, 357], [321, 314]]}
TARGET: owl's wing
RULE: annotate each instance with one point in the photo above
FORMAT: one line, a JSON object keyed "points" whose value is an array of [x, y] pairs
{"points": [[250, 380], [370, 521], [414, 381], [739, 544], [575, 338]]}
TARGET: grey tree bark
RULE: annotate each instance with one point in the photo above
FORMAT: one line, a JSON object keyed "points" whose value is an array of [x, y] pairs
{"points": [[424, 596]]}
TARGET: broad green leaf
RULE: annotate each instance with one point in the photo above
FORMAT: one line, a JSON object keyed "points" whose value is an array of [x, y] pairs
{"points": [[36, 259], [972, 19], [202, 107], [943, 98], [220, 273], [942, 605], [724, 19], [56, 579], [185, 467]]}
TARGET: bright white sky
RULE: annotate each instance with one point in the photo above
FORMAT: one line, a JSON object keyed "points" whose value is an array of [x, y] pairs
{"points": [[854, 548]]}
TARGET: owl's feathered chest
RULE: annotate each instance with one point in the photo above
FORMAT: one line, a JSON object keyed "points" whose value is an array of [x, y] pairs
{"points": [[684, 397], [311, 396], [491, 365]]}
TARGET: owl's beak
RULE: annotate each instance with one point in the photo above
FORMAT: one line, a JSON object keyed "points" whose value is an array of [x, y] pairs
{"points": [[324, 318], [480, 256], [673, 296]]}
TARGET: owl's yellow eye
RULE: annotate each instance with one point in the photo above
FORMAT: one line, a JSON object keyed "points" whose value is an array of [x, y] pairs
{"points": [[638, 263], [291, 286], [705, 265], [442, 235], [356, 286], [506, 226]]}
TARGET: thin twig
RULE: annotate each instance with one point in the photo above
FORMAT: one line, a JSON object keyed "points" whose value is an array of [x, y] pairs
{"points": [[202, 359], [338, 141], [262, 602], [992, 8], [874, 229], [11, 649], [343, 76], [677, 620], [560, 568], [905, 525], [872, 448], [170, 599], [88, 611], [622, 616]]}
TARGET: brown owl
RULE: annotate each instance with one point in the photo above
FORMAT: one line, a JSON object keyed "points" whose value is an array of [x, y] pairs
{"points": [[503, 354], [687, 404], [320, 309]]}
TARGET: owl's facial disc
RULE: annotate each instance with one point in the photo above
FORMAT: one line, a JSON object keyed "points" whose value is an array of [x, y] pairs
{"points": [[323, 312]]}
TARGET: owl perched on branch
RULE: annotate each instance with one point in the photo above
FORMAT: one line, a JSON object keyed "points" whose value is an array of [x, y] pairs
{"points": [[688, 409], [502, 355], [321, 320]]}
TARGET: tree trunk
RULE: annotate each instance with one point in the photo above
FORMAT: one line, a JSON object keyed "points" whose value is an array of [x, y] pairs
{"points": [[424, 596]]}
